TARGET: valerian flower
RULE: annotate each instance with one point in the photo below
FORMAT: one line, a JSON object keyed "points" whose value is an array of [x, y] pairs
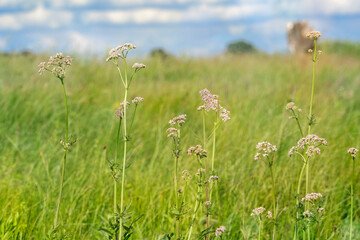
{"points": [[220, 230], [198, 151], [120, 51], [264, 150], [353, 152], [311, 143], [310, 197], [56, 64], [211, 102], [257, 211], [137, 100], [313, 35], [178, 120]]}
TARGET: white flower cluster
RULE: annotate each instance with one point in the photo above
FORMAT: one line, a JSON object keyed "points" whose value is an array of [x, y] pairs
{"points": [[138, 66], [311, 197], [137, 100], [220, 230], [311, 143], [264, 149], [313, 35], [353, 152], [211, 102], [307, 213], [120, 51], [172, 132], [197, 150], [257, 211], [57, 65], [178, 120]]}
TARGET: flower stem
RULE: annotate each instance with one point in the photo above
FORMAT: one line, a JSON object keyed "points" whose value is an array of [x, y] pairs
{"points": [[274, 200], [125, 146], [297, 200], [312, 89], [64, 158], [115, 162], [352, 197], [260, 225], [206, 186]]}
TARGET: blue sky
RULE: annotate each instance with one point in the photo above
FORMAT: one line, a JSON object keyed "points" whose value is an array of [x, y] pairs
{"points": [[191, 27]]}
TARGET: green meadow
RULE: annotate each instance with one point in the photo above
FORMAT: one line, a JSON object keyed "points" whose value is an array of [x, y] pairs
{"points": [[254, 87]]}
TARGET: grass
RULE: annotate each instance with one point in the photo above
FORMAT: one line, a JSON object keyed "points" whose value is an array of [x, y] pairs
{"points": [[255, 88]]}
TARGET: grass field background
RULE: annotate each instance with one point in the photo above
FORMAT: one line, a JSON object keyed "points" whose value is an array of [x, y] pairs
{"points": [[255, 88]]}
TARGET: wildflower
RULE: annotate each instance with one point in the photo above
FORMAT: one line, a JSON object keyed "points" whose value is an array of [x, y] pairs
{"points": [[207, 203], [225, 114], [178, 120], [269, 214], [211, 102], [353, 152], [320, 210], [310, 50], [311, 197], [264, 149], [172, 132], [307, 213], [56, 64], [119, 112], [313, 35], [311, 142], [197, 150], [138, 66], [137, 100], [220, 230], [292, 107], [213, 178], [186, 175], [257, 211], [120, 51]]}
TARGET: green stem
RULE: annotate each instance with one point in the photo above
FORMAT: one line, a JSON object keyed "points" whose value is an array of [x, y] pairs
{"points": [[206, 186], [298, 123], [312, 89], [115, 162], [125, 148], [197, 202], [176, 195], [64, 158], [297, 199], [213, 149], [274, 200], [352, 197], [260, 226]]}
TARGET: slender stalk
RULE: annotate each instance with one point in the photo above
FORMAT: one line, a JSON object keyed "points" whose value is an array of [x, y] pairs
{"points": [[297, 199], [115, 162], [197, 202], [125, 148], [206, 186], [260, 226], [274, 200], [298, 123], [213, 149], [64, 158], [352, 197], [176, 196], [312, 89]]}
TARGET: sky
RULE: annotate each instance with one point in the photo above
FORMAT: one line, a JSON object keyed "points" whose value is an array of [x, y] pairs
{"points": [[181, 27]]}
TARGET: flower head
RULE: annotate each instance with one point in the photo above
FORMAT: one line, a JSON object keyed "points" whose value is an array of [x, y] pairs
{"points": [[310, 197], [56, 64], [264, 150], [313, 35], [220, 230], [138, 66], [120, 51], [213, 178], [137, 100], [198, 151], [211, 102], [311, 143], [257, 211], [207, 203], [178, 120], [307, 213], [172, 132], [353, 152], [269, 214]]}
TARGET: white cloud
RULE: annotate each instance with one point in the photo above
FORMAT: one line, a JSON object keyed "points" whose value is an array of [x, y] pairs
{"points": [[80, 43], [40, 16], [195, 13]]}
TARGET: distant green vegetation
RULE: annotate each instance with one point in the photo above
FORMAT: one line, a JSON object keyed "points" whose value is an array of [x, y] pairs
{"points": [[255, 88], [341, 47], [241, 47]]}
